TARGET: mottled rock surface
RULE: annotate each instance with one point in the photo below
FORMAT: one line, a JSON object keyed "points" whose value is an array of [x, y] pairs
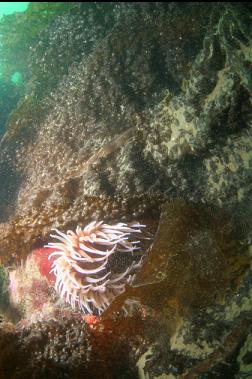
{"points": [[129, 106]]}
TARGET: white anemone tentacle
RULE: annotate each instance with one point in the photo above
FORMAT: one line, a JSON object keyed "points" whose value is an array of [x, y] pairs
{"points": [[80, 263]]}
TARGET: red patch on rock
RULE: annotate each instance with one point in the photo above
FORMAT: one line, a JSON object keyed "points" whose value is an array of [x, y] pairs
{"points": [[90, 319], [44, 263]]}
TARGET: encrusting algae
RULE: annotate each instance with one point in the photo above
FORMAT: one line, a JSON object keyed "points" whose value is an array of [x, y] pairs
{"points": [[194, 262]]}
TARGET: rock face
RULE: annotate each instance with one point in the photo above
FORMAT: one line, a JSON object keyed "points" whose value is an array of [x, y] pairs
{"points": [[205, 131], [129, 106]]}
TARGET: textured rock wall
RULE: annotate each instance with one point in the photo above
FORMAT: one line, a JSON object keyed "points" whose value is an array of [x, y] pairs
{"points": [[126, 109]]}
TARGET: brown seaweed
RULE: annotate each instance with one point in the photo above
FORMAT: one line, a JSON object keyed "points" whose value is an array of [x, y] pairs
{"points": [[196, 259]]}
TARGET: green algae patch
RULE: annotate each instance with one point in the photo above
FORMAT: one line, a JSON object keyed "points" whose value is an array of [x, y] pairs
{"points": [[3, 287]]}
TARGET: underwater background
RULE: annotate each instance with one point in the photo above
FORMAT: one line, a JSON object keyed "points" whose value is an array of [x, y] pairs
{"points": [[127, 128]]}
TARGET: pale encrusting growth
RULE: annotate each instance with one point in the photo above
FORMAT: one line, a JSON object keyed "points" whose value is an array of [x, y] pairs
{"points": [[82, 268]]}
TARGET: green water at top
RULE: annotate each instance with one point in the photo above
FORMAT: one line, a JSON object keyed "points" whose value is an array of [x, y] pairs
{"points": [[8, 7]]}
